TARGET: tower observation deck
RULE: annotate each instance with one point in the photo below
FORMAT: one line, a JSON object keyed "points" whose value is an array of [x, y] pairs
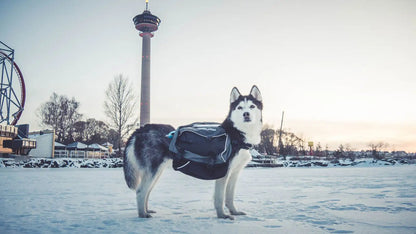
{"points": [[146, 23]]}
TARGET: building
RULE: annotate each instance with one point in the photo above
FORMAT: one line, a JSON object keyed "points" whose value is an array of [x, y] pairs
{"points": [[14, 140], [48, 148], [45, 144]]}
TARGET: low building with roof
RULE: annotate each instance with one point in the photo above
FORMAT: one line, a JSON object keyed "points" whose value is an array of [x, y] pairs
{"points": [[97, 151], [60, 150], [77, 150]]}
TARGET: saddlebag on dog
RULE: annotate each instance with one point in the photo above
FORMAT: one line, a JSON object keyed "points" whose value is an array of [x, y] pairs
{"points": [[201, 150]]}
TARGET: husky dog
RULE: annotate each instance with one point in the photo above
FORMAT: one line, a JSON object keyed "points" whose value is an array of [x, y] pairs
{"points": [[147, 153]]}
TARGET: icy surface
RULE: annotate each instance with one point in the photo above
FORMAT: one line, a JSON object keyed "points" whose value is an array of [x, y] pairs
{"points": [[277, 200]]}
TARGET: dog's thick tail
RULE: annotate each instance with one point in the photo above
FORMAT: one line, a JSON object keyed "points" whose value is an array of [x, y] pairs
{"points": [[130, 165]]}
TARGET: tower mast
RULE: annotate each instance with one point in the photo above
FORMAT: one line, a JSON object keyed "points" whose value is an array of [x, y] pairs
{"points": [[146, 23]]}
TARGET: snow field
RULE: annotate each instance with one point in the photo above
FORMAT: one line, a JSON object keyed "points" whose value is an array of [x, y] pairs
{"points": [[277, 200]]}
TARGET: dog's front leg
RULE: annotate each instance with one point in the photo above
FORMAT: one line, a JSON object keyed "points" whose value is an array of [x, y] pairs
{"points": [[229, 195], [220, 188]]}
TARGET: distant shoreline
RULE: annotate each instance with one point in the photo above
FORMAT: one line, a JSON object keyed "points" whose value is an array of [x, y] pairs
{"points": [[362, 162], [118, 163]]}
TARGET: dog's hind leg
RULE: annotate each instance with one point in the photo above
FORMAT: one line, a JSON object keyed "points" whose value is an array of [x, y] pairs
{"points": [[154, 181], [143, 192]]}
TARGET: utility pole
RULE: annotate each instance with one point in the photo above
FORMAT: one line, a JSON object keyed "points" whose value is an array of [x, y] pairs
{"points": [[280, 135]]}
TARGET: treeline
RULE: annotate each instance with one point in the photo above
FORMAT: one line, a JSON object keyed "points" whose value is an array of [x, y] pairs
{"points": [[62, 114], [290, 143], [293, 145]]}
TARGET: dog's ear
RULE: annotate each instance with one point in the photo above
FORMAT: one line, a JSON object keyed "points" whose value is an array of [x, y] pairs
{"points": [[235, 94], [255, 92]]}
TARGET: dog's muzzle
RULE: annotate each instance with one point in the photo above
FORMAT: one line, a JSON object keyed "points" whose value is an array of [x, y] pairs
{"points": [[246, 117]]}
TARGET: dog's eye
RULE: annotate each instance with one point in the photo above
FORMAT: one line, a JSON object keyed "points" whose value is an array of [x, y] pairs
{"points": [[240, 108], [252, 106]]}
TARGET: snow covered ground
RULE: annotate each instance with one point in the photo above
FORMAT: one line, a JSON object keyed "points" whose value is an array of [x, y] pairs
{"points": [[277, 200]]}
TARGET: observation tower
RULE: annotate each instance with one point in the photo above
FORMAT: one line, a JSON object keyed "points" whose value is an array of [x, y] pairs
{"points": [[146, 23]]}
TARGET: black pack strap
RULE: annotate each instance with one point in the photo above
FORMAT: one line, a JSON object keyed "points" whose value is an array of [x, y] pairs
{"points": [[246, 146]]}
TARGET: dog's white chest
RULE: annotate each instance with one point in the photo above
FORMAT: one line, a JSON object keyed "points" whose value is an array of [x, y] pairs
{"points": [[240, 160]]}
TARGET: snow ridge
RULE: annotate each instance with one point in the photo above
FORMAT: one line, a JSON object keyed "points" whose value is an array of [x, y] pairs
{"points": [[63, 163], [118, 163]]}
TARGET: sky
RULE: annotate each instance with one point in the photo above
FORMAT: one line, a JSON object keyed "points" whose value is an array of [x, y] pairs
{"points": [[342, 71]]}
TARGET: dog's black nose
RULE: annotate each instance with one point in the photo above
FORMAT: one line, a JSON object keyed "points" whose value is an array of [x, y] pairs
{"points": [[246, 117]]}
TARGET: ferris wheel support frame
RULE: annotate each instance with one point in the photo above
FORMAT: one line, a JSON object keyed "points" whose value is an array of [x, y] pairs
{"points": [[8, 96]]}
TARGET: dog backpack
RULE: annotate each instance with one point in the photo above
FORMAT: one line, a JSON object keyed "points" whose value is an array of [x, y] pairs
{"points": [[201, 150]]}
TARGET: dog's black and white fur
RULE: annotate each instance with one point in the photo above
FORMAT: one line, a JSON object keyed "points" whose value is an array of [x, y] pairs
{"points": [[147, 153]]}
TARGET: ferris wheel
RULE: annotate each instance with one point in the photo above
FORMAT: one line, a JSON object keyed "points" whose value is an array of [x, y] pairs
{"points": [[12, 87]]}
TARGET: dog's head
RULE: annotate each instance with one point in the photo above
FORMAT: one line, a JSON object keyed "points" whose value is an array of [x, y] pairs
{"points": [[246, 111]]}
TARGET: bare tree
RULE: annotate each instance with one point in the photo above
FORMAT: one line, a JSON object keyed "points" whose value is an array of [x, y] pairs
{"points": [[60, 113], [290, 143], [349, 152], [376, 148], [119, 107], [91, 131], [340, 152], [318, 149], [267, 141]]}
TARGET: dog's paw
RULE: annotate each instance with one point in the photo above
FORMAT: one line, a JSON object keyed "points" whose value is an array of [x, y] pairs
{"points": [[237, 213], [145, 216], [151, 211], [224, 216]]}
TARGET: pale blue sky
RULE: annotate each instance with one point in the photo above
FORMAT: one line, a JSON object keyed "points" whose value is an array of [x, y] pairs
{"points": [[343, 71]]}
